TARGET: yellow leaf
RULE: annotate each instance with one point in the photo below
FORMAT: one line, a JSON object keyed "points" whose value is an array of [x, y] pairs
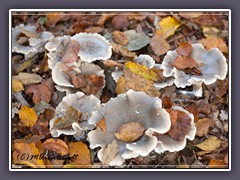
{"points": [[17, 86], [210, 144], [79, 154], [141, 70], [27, 154], [168, 26], [28, 116], [135, 82]]}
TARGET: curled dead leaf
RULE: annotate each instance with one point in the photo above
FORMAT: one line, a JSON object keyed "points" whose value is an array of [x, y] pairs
{"points": [[184, 49], [122, 51], [56, 145], [130, 131], [120, 38]]}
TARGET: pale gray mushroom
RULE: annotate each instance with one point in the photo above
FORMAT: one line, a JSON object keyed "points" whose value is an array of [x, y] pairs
{"points": [[145, 60], [63, 81], [212, 64], [167, 143], [134, 107], [90, 108], [36, 43], [93, 47]]}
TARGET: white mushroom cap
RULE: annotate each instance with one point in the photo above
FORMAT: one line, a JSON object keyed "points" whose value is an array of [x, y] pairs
{"points": [[131, 107], [213, 66], [145, 60], [88, 105], [166, 143], [93, 47], [35, 44]]}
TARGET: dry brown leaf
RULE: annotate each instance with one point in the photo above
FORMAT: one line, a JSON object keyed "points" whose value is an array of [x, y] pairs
{"points": [[104, 18], [203, 106], [110, 63], [56, 145], [192, 108], [41, 92], [72, 115], [110, 152], [190, 15], [136, 82], [215, 42], [130, 131], [202, 126], [210, 31], [40, 128], [139, 16], [120, 38], [27, 154], [208, 20], [184, 49], [219, 88], [102, 125], [166, 102], [180, 125], [122, 51], [82, 154], [27, 116], [17, 86], [217, 163], [71, 52], [120, 22], [182, 63], [27, 78], [94, 30], [27, 33], [159, 45], [54, 17], [210, 144]]}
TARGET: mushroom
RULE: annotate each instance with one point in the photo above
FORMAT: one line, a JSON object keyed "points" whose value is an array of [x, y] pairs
{"points": [[131, 119], [93, 47], [26, 40], [171, 144], [211, 64], [147, 61], [75, 114]]}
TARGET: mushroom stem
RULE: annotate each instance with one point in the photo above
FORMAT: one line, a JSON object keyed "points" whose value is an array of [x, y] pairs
{"points": [[197, 89]]}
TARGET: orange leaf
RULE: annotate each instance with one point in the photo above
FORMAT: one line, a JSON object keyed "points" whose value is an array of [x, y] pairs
{"points": [[57, 146], [184, 49], [130, 131], [214, 163], [120, 38], [102, 124], [79, 153], [28, 116], [215, 42], [27, 154], [166, 102], [182, 63]]}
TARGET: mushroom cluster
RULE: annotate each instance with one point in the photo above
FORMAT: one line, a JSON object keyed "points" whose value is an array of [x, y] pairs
{"points": [[26, 40], [195, 67], [70, 59]]}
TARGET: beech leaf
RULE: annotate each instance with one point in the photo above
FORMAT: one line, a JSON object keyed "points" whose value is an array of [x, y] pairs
{"points": [[27, 116], [184, 49], [202, 126], [120, 38], [110, 152], [159, 45], [71, 52], [120, 22], [168, 26], [56, 145], [130, 131], [182, 63], [210, 144], [27, 78], [215, 42]]}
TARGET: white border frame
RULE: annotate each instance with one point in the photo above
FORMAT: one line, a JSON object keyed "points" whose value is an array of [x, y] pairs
{"points": [[118, 10]]}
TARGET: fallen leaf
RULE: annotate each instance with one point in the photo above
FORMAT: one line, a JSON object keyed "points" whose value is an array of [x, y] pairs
{"points": [[40, 108], [217, 163], [110, 63], [166, 102], [192, 108], [168, 26], [110, 152], [203, 106], [130, 131], [56, 145], [136, 82], [24, 65], [102, 125], [80, 154], [141, 70], [27, 154], [208, 20], [27, 116], [94, 30], [72, 115], [215, 42], [159, 45], [139, 16], [104, 18], [210, 144], [17, 86], [136, 40], [190, 15], [54, 17], [182, 63], [210, 31], [122, 51], [219, 88], [27, 33], [180, 125], [71, 52], [184, 49], [120, 22], [41, 92], [40, 128], [27, 78], [120, 38], [202, 126]]}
